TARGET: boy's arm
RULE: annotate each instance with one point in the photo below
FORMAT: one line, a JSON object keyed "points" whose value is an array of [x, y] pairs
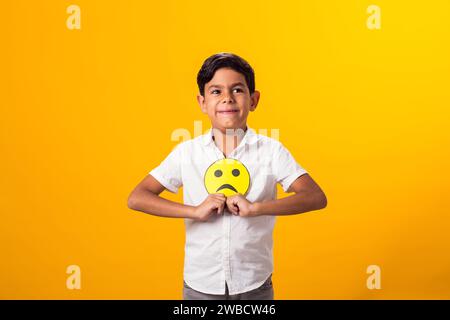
{"points": [[308, 197], [145, 197]]}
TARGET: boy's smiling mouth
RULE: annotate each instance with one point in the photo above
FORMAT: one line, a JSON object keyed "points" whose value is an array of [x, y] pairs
{"points": [[228, 112]]}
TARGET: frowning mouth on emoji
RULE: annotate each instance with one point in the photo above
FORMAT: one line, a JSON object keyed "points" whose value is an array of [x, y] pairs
{"points": [[226, 185]]}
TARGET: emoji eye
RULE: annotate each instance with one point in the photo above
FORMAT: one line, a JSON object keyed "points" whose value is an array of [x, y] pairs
{"points": [[235, 172], [218, 173]]}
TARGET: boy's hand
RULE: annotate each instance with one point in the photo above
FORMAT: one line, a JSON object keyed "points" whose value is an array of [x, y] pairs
{"points": [[239, 205], [213, 204]]}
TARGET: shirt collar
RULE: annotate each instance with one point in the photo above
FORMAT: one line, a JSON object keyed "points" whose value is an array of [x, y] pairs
{"points": [[250, 137]]}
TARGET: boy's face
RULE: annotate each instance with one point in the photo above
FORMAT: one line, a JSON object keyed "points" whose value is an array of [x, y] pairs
{"points": [[227, 100]]}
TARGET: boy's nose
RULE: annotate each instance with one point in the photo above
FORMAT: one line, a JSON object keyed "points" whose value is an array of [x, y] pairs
{"points": [[228, 99]]}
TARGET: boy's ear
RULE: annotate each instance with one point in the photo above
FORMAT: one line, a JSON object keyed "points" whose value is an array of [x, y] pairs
{"points": [[254, 100], [201, 102]]}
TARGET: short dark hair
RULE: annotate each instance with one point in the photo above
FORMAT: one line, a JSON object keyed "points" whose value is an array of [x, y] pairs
{"points": [[225, 60]]}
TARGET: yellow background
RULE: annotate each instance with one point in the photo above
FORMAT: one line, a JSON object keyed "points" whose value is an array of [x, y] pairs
{"points": [[85, 114]]}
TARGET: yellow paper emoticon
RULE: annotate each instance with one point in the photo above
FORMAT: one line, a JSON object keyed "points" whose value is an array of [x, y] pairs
{"points": [[227, 176]]}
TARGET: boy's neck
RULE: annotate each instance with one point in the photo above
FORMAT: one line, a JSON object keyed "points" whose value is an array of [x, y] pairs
{"points": [[228, 139]]}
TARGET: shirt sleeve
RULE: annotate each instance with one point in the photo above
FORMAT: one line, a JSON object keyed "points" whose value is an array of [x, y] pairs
{"points": [[168, 172], [286, 168]]}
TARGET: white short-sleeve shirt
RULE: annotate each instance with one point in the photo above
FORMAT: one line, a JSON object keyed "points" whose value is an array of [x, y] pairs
{"points": [[228, 248]]}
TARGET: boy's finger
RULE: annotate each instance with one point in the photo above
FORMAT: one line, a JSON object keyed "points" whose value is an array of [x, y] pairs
{"points": [[231, 205], [221, 200], [219, 206], [220, 209], [232, 209]]}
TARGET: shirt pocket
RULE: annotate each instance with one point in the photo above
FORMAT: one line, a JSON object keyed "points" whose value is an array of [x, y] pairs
{"points": [[262, 185]]}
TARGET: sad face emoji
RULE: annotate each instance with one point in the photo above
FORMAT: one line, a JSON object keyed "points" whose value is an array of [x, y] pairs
{"points": [[227, 176]]}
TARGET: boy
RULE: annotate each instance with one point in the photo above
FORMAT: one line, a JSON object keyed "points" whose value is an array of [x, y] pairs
{"points": [[229, 178]]}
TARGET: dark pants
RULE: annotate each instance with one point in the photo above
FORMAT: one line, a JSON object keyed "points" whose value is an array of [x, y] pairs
{"points": [[264, 292]]}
